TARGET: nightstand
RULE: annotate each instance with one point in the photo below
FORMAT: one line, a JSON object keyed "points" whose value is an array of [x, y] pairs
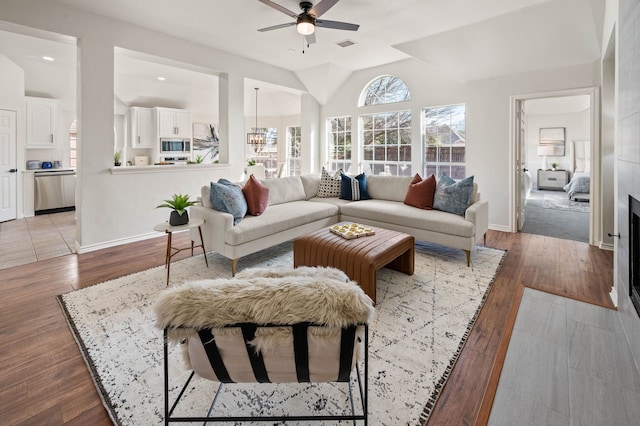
{"points": [[554, 180]]}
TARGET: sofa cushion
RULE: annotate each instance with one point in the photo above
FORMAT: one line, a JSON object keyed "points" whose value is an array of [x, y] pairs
{"points": [[401, 214], [284, 190], [329, 185], [257, 196], [278, 218], [393, 188], [310, 183], [226, 196], [354, 189], [451, 196], [421, 191]]}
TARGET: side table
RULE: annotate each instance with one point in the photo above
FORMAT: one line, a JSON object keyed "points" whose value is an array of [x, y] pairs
{"points": [[171, 251]]}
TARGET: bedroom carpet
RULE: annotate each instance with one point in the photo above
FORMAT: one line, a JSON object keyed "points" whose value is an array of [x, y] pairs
{"points": [[562, 202], [565, 224], [420, 326]]}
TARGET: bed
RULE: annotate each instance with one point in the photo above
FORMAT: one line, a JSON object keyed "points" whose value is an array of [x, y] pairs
{"points": [[578, 188]]}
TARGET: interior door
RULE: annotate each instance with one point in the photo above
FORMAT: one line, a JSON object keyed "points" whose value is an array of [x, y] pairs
{"points": [[8, 166], [521, 171]]}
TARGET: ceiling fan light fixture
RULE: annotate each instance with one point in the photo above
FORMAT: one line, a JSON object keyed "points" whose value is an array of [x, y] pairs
{"points": [[306, 25]]}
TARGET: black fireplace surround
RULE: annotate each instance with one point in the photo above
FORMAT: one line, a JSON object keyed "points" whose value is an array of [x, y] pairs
{"points": [[634, 252]]}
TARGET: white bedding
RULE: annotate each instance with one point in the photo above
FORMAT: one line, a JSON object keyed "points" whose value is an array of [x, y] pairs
{"points": [[578, 187]]}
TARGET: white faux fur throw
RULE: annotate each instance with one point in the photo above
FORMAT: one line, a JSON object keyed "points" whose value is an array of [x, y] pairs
{"points": [[318, 295]]}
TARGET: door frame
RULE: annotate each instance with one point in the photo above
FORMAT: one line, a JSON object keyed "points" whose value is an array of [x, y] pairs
{"points": [[595, 219], [16, 196]]}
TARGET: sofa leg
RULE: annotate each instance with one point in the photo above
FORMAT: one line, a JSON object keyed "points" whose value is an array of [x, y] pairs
{"points": [[234, 264], [485, 238], [468, 253]]}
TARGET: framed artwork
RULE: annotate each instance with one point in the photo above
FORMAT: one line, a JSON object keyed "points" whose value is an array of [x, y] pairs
{"points": [[551, 141], [205, 141]]}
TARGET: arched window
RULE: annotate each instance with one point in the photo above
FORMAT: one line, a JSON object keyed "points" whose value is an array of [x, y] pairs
{"points": [[386, 136], [385, 90]]}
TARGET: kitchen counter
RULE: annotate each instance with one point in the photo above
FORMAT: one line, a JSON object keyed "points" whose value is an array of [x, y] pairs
{"points": [[164, 168], [59, 169]]}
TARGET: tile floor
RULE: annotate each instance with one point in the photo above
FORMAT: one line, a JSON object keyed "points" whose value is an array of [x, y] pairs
{"points": [[568, 363], [37, 238]]}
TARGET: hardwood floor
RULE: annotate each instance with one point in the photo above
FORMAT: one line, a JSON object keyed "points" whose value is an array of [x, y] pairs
{"points": [[43, 378]]}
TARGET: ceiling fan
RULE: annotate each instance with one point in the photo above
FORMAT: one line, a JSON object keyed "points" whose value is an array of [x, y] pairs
{"points": [[308, 19]]}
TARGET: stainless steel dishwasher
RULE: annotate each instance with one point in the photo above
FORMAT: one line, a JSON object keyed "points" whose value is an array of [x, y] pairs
{"points": [[55, 190]]}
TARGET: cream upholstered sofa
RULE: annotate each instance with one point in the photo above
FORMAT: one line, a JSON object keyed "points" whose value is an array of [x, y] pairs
{"points": [[295, 210]]}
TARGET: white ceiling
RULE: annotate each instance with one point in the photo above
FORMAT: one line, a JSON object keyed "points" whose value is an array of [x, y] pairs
{"points": [[467, 39], [470, 39]]}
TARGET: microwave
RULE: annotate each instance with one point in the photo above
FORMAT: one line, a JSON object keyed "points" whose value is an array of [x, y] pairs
{"points": [[175, 145]]}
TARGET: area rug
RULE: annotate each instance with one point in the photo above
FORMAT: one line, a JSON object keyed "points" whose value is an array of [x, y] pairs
{"points": [[562, 202], [420, 327]]}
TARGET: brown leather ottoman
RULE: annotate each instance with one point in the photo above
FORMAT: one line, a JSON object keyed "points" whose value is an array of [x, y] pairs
{"points": [[359, 258]]}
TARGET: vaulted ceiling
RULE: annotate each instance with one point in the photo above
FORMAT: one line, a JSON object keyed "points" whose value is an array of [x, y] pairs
{"points": [[466, 39]]}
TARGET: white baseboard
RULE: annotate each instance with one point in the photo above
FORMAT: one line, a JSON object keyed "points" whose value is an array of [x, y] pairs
{"points": [[604, 246], [501, 228], [613, 294], [113, 243]]}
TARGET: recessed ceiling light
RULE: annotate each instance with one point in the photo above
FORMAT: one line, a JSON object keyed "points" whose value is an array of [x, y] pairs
{"points": [[48, 58], [161, 78]]}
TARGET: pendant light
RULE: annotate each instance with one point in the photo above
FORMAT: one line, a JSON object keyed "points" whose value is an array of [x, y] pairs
{"points": [[257, 135]]}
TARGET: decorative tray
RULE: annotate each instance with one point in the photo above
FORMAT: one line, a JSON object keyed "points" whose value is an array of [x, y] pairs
{"points": [[352, 230]]}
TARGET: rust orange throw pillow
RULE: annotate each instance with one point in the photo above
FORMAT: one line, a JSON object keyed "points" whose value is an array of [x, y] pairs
{"points": [[257, 196], [421, 192]]}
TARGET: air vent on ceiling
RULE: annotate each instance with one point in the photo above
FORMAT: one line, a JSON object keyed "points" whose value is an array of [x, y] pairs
{"points": [[346, 43]]}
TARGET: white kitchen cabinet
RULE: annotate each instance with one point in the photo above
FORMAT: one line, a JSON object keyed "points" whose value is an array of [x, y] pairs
{"points": [[173, 123], [142, 133], [41, 122]]}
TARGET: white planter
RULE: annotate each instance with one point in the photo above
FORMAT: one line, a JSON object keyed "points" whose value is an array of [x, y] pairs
{"points": [[257, 170]]}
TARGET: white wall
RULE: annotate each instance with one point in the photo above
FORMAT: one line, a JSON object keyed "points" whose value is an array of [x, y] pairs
{"points": [[114, 208], [488, 148], [627, 153], [577, 127]]}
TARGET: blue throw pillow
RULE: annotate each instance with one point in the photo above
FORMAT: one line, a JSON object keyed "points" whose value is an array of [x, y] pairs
{"points": [[226, 196], [451, 196], [354, 189]]}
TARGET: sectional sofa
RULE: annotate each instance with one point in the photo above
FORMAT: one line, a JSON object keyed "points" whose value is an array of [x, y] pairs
{"points": [[294, 210]]}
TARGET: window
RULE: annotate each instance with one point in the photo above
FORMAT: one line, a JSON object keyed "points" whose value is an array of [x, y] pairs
{"points": [[73, 136], [293, 150], [267, 154], [385, 90], [386, 139], [339, 144], [444, 141]]}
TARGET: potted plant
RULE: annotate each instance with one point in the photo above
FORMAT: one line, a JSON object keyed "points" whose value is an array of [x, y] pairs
{"points": [[554, 165], [116, 158], [179, 204]]}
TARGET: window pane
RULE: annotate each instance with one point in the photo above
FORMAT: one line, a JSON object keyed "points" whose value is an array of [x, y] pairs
{"points": [[391, 130], [444, 140], [338, 142], [384, 90]]}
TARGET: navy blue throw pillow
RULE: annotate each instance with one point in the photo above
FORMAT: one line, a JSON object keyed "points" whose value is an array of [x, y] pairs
{"points": [[354, 189]]}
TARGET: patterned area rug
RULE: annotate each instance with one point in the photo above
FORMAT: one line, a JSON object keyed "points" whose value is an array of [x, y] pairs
{"points": [[421, 324], [562, 202]]}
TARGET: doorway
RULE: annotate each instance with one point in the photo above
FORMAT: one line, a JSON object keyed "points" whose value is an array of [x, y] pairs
{"points": [[542, 202], [8, 166]]}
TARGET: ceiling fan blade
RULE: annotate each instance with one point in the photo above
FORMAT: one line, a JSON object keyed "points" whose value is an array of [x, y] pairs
{"points": [[336, 25], [277, 27], [322, 7], [310, 39], [282, 9]]}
